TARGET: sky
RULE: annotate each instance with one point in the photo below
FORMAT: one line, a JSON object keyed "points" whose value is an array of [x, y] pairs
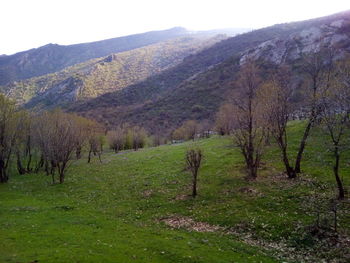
{"points": [[26, 24]]}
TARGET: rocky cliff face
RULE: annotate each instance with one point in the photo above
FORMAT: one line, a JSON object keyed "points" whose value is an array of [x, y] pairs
{"points": [[335, 34]]}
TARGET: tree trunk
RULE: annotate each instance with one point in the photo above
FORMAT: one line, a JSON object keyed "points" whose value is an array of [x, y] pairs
{"points": [[3, 174], [289, 170], [47, 167], [78, 152], [20, 168], [29, 154], [53, 178], [29, 169], [53, 166], [52, 172], [194, 185], [297, 168], [253, 172], [39, 164], [61, 170], [341, 194], [62, 177], [89, 157]]}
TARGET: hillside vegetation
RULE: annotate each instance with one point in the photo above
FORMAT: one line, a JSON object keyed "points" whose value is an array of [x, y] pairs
{"points": [[99, 76], [197, 87], [53, 57], [136, 207]]}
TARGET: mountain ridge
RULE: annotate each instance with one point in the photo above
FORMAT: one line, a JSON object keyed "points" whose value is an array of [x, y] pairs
{"points": [[113, 72], [202, 84], [53, 57]]}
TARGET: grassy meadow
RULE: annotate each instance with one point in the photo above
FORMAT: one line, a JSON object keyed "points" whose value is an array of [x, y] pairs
{"points": [[136, 207]]}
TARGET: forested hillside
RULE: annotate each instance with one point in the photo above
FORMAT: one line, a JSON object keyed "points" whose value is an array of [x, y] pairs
{"points": [[53, 57], [99, 76], [202, 82]]}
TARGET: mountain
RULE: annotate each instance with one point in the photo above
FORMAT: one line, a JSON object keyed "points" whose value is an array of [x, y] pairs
{"points": [[52, 57], [195, 88], [98, 76]]}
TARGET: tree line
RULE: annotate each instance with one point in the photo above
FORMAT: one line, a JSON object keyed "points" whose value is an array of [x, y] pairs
{"points": [[261, 107], [50, 140]]}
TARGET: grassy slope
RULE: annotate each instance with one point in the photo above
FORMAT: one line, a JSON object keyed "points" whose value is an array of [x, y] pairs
{"points": [[103, 214], [105, 74], [52, 57]]}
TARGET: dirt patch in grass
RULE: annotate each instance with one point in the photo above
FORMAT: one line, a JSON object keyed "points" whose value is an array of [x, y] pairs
{"points": [[147, 193], [182, 197], [189, 224], [250, 191]]}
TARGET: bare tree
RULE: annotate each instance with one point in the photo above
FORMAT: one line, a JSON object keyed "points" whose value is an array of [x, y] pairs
{"points": [[193, 161], [41, 140], [191, 128], [81, 131], [204, 128], [187, 130], [317, 67], [116, 139], [94, 131], [28, 154], [224, 121], [178, 134], [23, 146], [94, 148], [9, 121], [139, 136], [276, 95], [158, 138], [250, 130], [335, 116], [56, 136]]}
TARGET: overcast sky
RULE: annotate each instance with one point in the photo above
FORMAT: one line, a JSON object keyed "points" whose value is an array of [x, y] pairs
{"points": [[26, 24]]}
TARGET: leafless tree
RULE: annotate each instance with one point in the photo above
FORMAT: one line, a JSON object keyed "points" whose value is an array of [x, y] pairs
{"points": [[193, 161], [178, 134], [158, 138], [250, 128], [56, 136], [139, 136], [81, 131], [188, 130], [335, 116], [94, 131], [224, 121], [191, 128], [9, 121], [276, 95], [116, 139], [318, 68], [205, 128], [25, 149]]}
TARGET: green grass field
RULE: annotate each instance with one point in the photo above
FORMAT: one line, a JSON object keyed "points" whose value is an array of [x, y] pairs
{"points": [[116, 211]]}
